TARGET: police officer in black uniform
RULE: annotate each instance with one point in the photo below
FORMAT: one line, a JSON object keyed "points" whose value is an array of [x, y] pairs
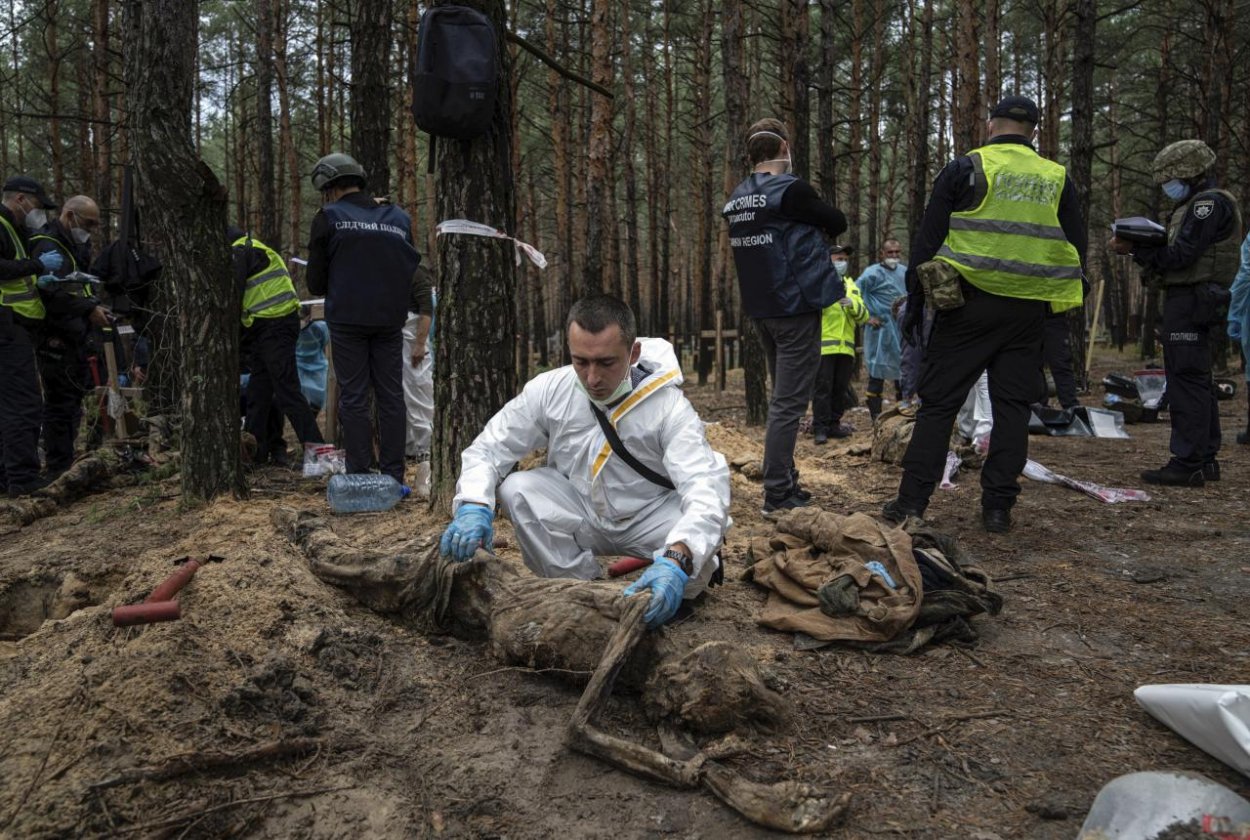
{"points": [[1005, 201], [362, 258], [1195, 269], [23, 210], [786, 280], [72, 307]]}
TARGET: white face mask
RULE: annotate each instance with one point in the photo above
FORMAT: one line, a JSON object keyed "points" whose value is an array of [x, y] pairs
{"points": [[627, 385], [80, 235], [37, 218], [890, 263], [840, 266]]}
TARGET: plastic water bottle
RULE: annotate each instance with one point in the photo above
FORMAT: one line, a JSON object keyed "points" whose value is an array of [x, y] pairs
{"points": [[364, 493]]}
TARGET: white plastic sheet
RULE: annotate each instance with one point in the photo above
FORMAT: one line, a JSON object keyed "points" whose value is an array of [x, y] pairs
{"points": [[952, 467], [1110, 495], [1214, 718]]}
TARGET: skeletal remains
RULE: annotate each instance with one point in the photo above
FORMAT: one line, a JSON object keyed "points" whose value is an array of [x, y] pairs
{"points": [[572, 626]]}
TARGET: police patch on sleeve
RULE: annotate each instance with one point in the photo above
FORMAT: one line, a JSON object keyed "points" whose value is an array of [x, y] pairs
{"points": [[1203, 209]]}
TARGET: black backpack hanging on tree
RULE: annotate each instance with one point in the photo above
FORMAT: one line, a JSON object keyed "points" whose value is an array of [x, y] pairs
{"points": [[455, 74]]}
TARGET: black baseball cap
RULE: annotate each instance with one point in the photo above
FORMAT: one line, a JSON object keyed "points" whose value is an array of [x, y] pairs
{"points": [[1018, 108], [841, 249], [27, 184]]}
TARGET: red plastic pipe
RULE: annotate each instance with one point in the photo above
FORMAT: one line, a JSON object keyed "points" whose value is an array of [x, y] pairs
{"points": [[167, 590], [148, 612], [628, 564]]}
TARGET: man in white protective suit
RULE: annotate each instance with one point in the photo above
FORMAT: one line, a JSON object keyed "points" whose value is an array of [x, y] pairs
{"points": [[418, 378], [671, 503]]}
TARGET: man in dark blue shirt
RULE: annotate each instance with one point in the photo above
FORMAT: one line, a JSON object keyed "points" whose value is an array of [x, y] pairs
{"points": [[361, 258]]}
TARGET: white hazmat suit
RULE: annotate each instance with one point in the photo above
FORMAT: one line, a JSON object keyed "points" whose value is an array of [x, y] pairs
{"points": [[586, 501]]}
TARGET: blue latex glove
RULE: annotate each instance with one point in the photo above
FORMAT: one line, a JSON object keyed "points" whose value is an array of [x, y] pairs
{"points": [[666, 582], [1234, 330], [47, 280], [52, 261], [471, 527]]}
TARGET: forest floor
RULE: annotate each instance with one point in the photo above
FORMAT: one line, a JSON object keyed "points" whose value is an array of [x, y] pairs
{"points": [[342, 722]]}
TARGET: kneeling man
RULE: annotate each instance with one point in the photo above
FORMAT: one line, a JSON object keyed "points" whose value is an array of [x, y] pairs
{"points": [[658, 489]]}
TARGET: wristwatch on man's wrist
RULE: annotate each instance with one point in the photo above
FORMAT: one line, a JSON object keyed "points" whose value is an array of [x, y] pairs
{"points": [[683, 560]]}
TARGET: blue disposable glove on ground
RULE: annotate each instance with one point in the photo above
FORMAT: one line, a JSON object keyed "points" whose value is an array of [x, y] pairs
{"points": [[1234, 330], [52, 260], [471, 527], [666, 582]]}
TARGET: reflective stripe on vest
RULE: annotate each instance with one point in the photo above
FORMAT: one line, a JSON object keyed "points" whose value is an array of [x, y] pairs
{"points": [[1012, 244], [269, 293], [20, 294], [837, 323]]}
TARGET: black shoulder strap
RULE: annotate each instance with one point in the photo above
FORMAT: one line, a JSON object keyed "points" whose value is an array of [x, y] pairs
{"points": [[618, 446]]}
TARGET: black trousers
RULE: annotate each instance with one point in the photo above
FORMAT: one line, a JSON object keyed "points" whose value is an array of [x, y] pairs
{"points": [[792, 349], [21, 406], [1191, 391], [1057, 350], [64, 373], [371, 358], [274, 383], [988, 333], [830, 390]]}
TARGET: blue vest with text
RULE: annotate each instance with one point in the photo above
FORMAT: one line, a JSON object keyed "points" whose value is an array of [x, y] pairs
{"points": [[783, 264], [371, 263]]}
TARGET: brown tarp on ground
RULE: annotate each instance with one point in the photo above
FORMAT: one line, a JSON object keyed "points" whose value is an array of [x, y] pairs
{"points": [[811, 550]]}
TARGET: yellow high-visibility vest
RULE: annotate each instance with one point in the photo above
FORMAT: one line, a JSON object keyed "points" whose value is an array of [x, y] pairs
{"points": [[1012, 244], [837, 323], [20, 294], [269, 293]]}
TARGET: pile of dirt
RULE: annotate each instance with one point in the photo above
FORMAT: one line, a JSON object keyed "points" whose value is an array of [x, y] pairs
{"points": [[279, 706]]}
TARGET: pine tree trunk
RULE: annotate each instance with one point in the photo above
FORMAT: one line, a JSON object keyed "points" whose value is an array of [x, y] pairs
{"points": [[855, 144], [595, 273], [474, 365], [1081, 165], [269, 222], [370, 100], [558, 104], [185, 210], [966, 115], [630, 285]]}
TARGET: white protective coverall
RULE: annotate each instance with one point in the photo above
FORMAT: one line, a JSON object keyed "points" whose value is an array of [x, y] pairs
{"points": [[976, 418], [586, 501], [418, 394]]}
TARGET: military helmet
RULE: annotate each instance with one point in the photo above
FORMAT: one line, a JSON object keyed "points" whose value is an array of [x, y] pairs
{"points": [[1182, 160], [334, 167]]}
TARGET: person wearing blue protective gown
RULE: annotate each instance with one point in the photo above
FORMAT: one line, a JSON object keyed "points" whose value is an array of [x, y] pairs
{"points": [[1239, 324], [881, 284]]}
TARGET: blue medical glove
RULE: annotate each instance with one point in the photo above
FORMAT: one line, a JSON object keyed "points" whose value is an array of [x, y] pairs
{"points": [[52, 261], [471, 527], [1234, 330], [48, 280], [667, 582]]}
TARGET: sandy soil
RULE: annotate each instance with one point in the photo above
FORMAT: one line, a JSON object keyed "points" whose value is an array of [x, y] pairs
{"points": [[323, 719]]}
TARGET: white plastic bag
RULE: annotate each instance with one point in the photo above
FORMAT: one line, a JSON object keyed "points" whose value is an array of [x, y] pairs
{"points": [[323, 459], [1214, 718]]}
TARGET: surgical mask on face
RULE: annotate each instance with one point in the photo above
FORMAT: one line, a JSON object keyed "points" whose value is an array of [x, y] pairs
{"points": [[627, 385], [80, 235], [840, 266], [890, 263], [37, 218], [1176, 189]]}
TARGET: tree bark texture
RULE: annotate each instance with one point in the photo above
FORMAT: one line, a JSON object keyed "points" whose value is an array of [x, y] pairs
{"points": [[268, 223], [597, 274], [185, 210], [371, 101], [1080, 167], [474, 364]]}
